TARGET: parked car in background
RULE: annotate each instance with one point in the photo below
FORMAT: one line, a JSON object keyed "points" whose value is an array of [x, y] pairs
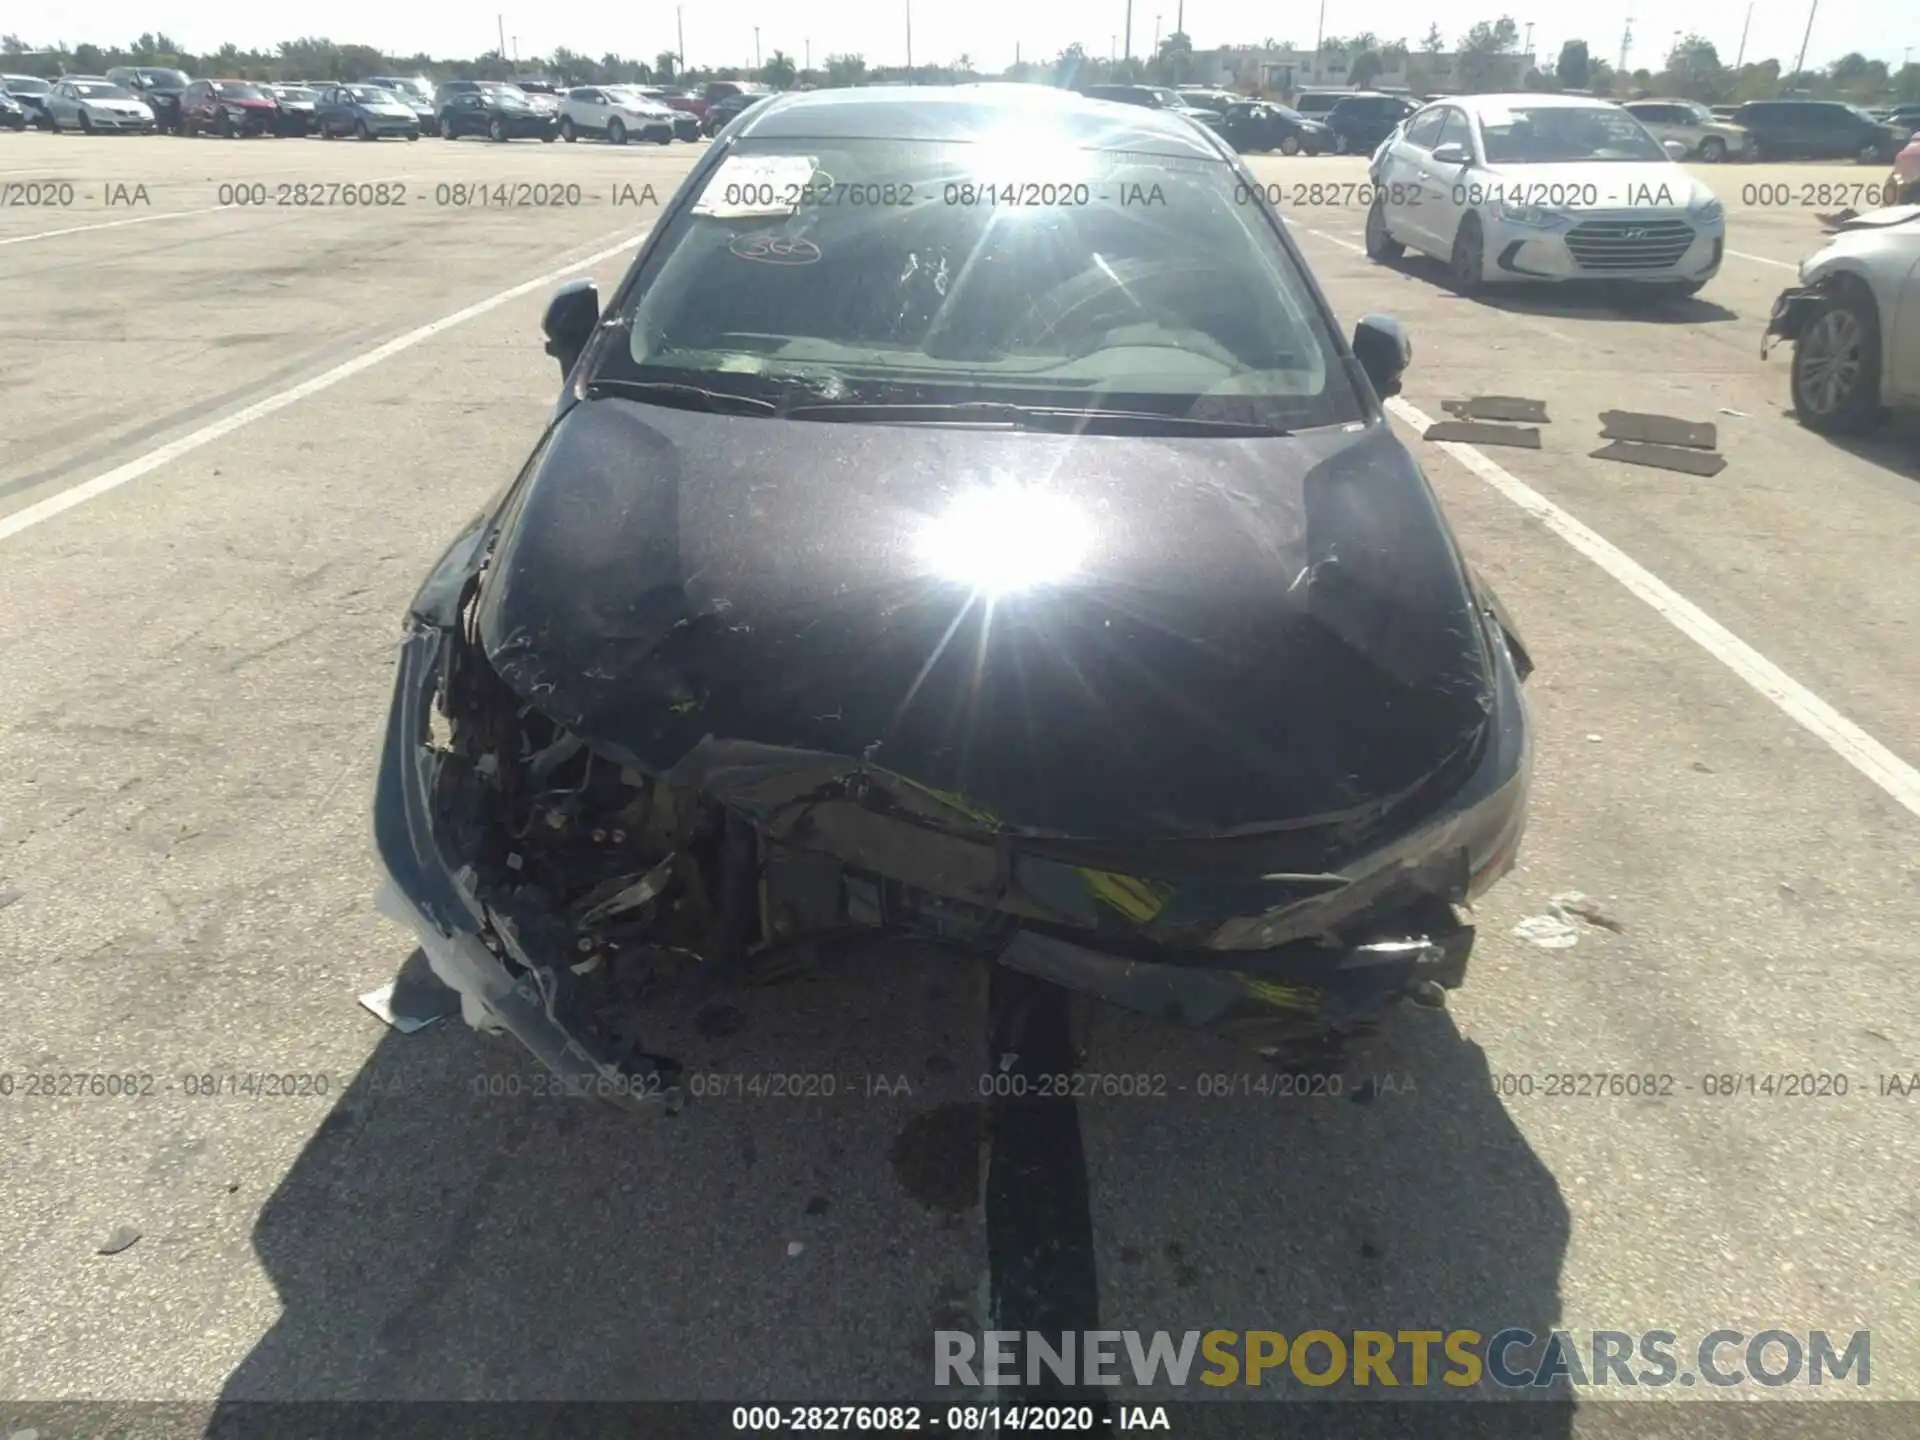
{"points": [[1154, 97], [1817, 130], [297, 103], [416, 95], [97, 106], [1207, 98], [616, 114], [727, 108], [499, 112], [1722, 112], [159, 86], [13, 115], [228, 108], [367, 112], [1256, 125], [718, 90], [1694, 126], [31, 92], [1903, 117], [404, 85], [1314, 104], [686, 124], [1364, 118], [1544, 189], [541, 93], [1854, 321]]}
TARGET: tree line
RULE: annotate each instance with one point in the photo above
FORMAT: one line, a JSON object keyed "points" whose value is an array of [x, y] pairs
{"points": [[1483, 58]]}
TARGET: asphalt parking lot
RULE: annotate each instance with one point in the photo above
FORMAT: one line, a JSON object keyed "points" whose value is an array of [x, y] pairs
{"points": [[277, 417]]}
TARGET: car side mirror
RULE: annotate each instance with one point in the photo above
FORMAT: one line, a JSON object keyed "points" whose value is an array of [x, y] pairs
{"points": [[1451, 153], [1676, 150], [1381, 346], [571, 315]]}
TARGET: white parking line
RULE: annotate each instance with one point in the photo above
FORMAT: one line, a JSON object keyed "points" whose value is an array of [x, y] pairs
{"points": [[113, 224], [1764, 260], [1846, 739], [32, 515]]}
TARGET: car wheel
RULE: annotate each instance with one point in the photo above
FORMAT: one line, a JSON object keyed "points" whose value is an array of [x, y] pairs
{"points": [[86, 123], [362, 130], [616, 133], [414, 135], [567, 132], [1871, 153], [1713, 150], [1290, 145], [497, 130], [666, 139], [1339, 144], [1467, 265], [1381, 246], [1836, 364], [446, 128], [223, 127], [1908, 196]]}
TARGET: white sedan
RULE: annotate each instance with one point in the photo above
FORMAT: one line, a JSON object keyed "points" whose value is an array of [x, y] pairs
{"points": [[615, 113], [1543, 188], [94, 105], [1854, 320]]}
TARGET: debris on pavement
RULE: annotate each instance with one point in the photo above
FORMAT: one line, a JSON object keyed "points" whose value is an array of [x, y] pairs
{"points": [[1549, 932], [1473, 432], [1580, 907], [1663, 457], [1740, 414], [1657, 429], [1557, 931], [413, 1011], [122, 1238], [1497, 407], [794, 1247], [7, 897]]}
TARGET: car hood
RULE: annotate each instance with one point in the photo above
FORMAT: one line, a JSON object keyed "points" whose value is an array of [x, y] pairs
{"points": [[1635, 185], [1259, 631]]}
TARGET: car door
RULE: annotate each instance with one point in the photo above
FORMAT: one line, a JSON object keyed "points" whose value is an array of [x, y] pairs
{"points": [[1658, 120], [1901, 383], [469, 115], [1396, 173], [60, 106], [1419, 187]]}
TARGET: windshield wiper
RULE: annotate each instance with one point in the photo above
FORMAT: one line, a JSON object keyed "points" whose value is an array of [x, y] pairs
{"points": [[1036, 417], [682, 396]]}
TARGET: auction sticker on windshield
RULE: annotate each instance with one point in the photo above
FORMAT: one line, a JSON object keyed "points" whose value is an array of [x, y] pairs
{"points": [[749, 185]]}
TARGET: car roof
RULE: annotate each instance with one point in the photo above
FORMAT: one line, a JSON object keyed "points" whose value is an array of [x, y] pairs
{"points": [[963, 113], [1522, 100]]}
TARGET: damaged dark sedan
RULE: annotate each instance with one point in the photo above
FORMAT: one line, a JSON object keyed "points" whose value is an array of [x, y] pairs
{"points": [[964, 520]]}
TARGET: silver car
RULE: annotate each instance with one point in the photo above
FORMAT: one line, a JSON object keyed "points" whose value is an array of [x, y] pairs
{"points": [[91, 106]]}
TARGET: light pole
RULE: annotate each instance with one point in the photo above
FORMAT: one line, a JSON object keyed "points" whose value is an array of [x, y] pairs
{"points": [[1156, 34], [1805, 36], [680, 29], [756, 47], [1319, 35], [909, 36], [1744, 26], [501, 21], [1129, 49], [1526, 46]]}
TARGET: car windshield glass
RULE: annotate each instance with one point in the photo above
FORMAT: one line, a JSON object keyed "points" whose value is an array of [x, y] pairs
{"points": [[294, 92], [1698, 112], [1556, 134], [1857, 111], [371, 94], [27, 86], [1143, 286], [167, 79], [98, 90], [1285, 114], [239, 92], [505, 96]]}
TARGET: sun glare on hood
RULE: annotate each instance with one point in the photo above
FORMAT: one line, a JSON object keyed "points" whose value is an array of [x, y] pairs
{"points": [[1005, 538]]}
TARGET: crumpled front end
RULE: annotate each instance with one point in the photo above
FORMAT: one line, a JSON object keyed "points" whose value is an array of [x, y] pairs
{"points": [[556, 883]]}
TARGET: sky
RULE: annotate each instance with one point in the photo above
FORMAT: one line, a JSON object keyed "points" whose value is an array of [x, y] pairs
{"points": [[722, 32]]}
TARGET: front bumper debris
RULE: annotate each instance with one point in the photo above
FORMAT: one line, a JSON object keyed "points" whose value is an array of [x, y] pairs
{"points": [[550, 882], [1792, 308]]}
